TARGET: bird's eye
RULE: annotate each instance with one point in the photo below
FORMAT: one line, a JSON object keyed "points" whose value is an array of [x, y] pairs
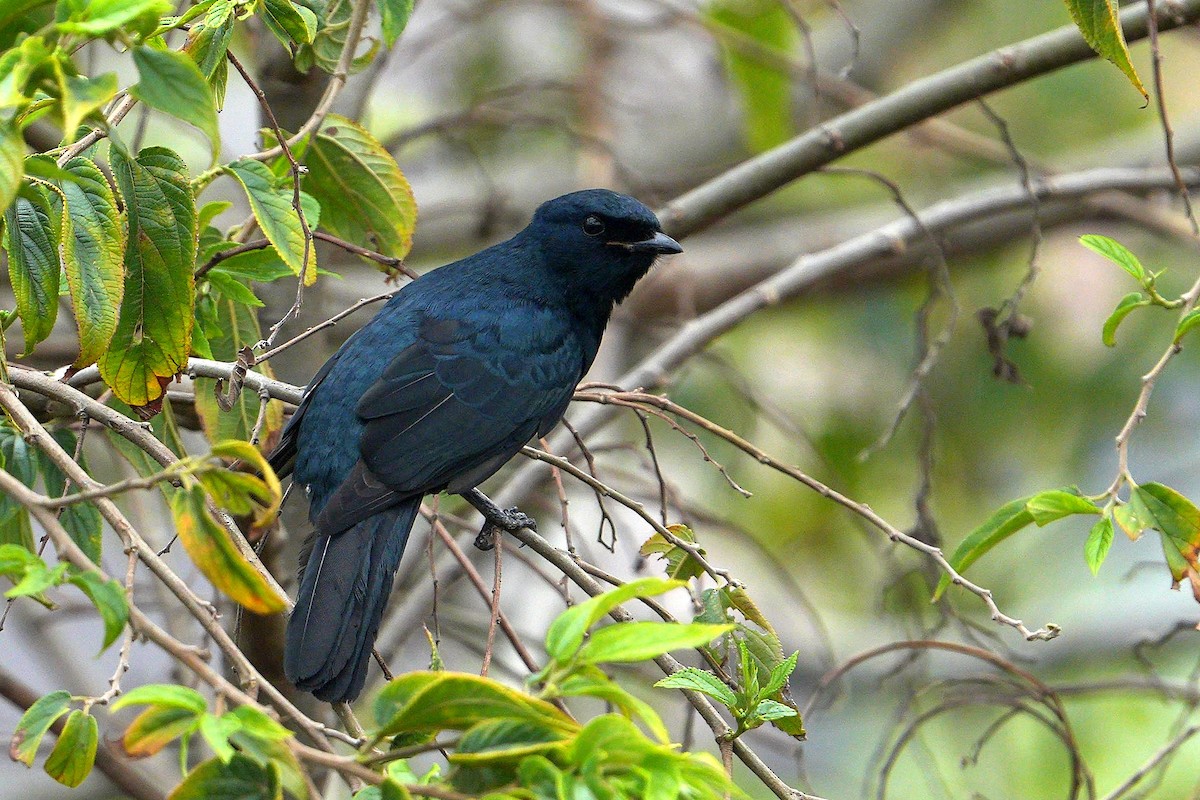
{"points": [[593, 225]]}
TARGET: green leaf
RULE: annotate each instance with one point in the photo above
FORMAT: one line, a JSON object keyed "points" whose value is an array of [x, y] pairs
{"points": [[240, 779], [12, 163], [20, 69], [394, 16], [216, 731], [680, 563], [210, 211], [1116, 252], [31, 241], [590, 681], [363, 195], [1189, 321], [238, 329], [163, 694], [451, 700], [765, 88], [749, 671], [270, 752], [738, 598], [34, 724], [208, 544], [1046, 507], [780, 673], [1124, 308], [768, 710], [16, 560], [258, 725], [208, 44], [1098, 543], [157, 727], [489, 754], [170, 81], [392, 790], [73, 755], [154, 333], [81, 520], [1101, 28], [19, 459], [109, 599], [289, 22], [1006, 521], [640, 641], [505, 739], [566, 632], [1178, 520], [272, 207], [330, 41], [93, 256], [37, 579], [233, 289], [700, 681], [260, 266], [95, 18]]}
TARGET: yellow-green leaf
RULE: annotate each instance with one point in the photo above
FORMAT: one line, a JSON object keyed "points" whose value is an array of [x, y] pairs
{"points": [[154, 333], [73, 755], [1178, 520], [81, 95], [157, 727], [1189, 321], [208, 544], [1097, 20], [640, 641], [364, 197], [265, 493]]}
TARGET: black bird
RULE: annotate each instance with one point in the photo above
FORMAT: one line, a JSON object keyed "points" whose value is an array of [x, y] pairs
{"points": [[442, 387]]}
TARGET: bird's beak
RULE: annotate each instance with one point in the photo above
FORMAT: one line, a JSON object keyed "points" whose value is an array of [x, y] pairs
{"points": [[659, 243]]}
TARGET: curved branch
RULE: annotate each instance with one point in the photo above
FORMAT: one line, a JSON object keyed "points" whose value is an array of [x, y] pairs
{"points": [[914, 103]]}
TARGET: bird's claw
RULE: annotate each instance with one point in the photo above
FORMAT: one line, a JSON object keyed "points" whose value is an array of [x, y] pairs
{"points": [[510, 519]]}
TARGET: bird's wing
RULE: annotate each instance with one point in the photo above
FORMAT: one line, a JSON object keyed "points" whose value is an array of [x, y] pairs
{"points": [[455, 405], [283, 457]]}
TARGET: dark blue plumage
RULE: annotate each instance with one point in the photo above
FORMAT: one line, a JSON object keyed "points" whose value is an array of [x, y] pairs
{"points": [[446, 383]]}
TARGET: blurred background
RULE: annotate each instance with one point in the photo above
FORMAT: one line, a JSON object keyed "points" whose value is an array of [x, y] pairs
{"points": [[492, 107]]}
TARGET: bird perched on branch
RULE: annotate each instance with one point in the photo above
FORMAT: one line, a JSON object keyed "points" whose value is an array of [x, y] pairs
{"points": [[442, 387]]}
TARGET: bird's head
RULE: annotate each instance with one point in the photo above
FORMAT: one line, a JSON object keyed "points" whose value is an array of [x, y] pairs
{"points": [[602, 242]]}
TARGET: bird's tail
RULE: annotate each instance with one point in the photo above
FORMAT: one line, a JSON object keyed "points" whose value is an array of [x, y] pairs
{"points": [[344, 586]]}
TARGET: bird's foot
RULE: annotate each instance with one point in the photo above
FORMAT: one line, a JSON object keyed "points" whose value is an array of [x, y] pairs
{"points": [[509, 519]]}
